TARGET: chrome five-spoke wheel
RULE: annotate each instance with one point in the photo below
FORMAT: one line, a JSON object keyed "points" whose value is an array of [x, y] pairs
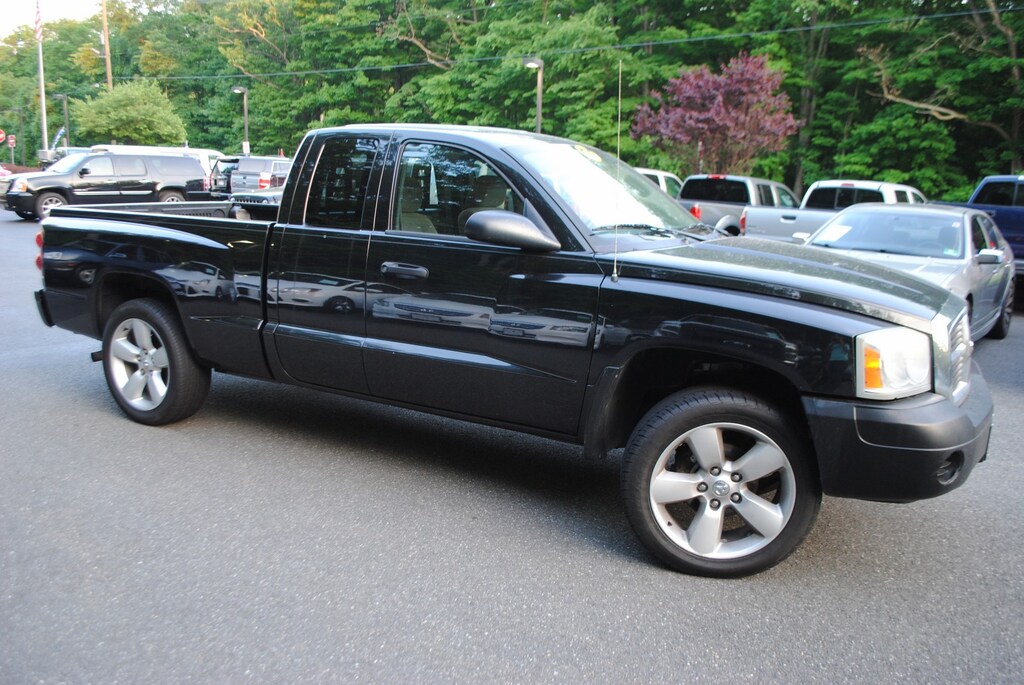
{"points": [[717, 482], [138, 364], [722, 491], [149, 366]]}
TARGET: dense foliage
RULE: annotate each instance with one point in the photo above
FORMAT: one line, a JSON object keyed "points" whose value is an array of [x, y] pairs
{"points": [[927, 92]]}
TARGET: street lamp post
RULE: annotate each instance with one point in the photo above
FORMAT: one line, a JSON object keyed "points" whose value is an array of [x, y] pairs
{"points": [[245, 115], [534, 62], [67, 124]]}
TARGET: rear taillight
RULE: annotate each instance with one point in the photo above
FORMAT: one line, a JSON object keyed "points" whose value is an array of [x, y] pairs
{"points": [[695, 210], [39, 244], [743, 222], [264, 181]]}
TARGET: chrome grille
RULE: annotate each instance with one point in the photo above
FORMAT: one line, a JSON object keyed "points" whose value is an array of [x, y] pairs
{"points": [[960, 350]]}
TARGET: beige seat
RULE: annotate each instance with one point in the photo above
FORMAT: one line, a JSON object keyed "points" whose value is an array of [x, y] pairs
{"points": [[410, 219], [489, 192]]}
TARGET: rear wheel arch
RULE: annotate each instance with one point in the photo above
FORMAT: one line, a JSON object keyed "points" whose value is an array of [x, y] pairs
{"points": [[115, 289]]}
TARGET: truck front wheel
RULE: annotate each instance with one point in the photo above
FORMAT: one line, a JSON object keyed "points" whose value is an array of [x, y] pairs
{"points": [[149, 367], [717, 482], [47, 201]]}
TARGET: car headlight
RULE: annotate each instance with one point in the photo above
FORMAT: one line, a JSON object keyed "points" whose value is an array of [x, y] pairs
{"points": [[19, 186], [893, 363]]}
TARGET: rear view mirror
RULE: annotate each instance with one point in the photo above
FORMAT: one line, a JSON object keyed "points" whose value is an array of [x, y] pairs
{"points": [[84, 171], [990, 257], [501, 227]]}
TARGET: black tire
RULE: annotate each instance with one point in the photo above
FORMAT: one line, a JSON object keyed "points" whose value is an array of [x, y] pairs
{"points": [[691, 503], [1002, 327], [149, 367], [47, 201], [340, 305], [171, 196]]}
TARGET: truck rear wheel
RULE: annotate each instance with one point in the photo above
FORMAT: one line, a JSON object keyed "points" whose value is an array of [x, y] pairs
{"points": [[171, 196], [149, 367], [717, 483]]}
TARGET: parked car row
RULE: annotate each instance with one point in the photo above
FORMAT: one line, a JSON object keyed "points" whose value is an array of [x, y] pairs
{"points": [[122, 174], [959, 247]]}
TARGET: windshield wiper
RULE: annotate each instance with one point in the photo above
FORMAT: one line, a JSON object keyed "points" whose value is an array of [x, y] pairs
{"points": [[627, 227]]}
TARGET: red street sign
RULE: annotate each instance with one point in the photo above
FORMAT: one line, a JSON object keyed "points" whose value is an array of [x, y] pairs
{"points": [[10, 140]]}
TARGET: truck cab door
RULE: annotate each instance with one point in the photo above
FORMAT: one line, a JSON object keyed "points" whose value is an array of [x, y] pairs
{"points": [[477, 329], [316, 305]]}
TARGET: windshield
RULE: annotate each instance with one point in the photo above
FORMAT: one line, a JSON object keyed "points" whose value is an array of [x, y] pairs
{"points": [[65, 164], [607, 196], [900, 231]]}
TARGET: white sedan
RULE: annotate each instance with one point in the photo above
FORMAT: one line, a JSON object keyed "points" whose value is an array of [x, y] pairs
{"points": [[958, 248]]}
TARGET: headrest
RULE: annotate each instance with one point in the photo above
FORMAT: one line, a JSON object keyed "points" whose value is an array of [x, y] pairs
{"points": [[489, 191]]}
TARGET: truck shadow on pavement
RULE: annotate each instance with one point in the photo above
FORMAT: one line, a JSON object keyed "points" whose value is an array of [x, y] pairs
{"points": [[566, 490]]}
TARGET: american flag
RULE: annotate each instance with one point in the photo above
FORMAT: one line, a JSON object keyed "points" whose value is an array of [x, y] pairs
{"points": [[39, 24]]}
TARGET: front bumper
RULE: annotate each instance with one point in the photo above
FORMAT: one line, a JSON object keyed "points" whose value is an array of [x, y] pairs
{"points": [[900, 451], [21, 202]]}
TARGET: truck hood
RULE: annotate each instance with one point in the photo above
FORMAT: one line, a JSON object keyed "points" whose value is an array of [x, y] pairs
{"points": [[795, 272]]}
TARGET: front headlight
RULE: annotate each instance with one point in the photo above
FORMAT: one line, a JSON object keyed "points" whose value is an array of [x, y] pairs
{"points": [[19, 186], [893, 363]]}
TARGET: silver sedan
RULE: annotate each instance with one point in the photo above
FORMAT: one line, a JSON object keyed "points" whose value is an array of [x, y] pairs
{"points": [[955, 247]]}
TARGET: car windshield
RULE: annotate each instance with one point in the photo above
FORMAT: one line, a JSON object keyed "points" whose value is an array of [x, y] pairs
{"points": [[918, 234], [609, 197], [65, 164]]}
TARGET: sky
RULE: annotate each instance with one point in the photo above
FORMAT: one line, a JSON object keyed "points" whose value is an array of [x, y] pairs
{"points": [[18, 12]]}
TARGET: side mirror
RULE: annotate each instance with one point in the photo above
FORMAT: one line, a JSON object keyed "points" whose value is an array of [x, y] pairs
{"points": [[990, 257], [84, 171], [501, 227]]}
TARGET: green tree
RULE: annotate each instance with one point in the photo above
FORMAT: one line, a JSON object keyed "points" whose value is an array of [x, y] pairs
{"points": [[136, 113]]}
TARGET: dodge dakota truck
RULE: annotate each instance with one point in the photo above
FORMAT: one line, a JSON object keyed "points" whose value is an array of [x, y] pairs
{"points": [[538, 284]]}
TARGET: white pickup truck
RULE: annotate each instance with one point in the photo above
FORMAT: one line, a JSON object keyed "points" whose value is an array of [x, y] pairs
{"points": [[821, 201]]}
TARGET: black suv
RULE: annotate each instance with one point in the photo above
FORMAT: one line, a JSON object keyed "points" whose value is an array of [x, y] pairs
{"points": [[107, 178]]}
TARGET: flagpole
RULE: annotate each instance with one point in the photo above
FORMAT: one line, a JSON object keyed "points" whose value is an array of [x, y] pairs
{"points": [[42, 81]]}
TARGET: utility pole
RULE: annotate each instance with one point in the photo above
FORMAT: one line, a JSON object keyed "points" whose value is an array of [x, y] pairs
{"points": [[106, 48]]}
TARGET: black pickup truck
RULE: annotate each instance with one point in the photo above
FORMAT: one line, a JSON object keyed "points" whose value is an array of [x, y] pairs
{"points": [[537, 284]]}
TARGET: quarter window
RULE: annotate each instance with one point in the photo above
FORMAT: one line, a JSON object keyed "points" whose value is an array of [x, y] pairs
{"points": [[337, 191]]}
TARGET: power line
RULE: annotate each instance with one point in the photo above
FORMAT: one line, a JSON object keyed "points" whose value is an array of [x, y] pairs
{"points": [[570, 51]]}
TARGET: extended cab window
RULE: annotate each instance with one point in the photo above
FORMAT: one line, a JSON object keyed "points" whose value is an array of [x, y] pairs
{"points": [[337, 191], [440, 186]]}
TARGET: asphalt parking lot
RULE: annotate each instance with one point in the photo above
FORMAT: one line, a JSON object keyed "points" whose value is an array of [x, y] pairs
{"points": [[282, 535]]}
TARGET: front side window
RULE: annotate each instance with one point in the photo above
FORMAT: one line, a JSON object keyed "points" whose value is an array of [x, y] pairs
{"points": [[440, 186], [337, 190], [100, 166]]}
